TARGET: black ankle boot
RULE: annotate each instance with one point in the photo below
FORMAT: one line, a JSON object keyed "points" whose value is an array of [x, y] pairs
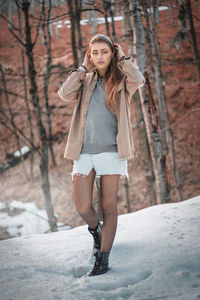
{"points": [[97, 238], [101, 264]]}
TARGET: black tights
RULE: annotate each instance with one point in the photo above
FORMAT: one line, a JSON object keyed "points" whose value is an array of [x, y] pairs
{"points": [[83, 191]]}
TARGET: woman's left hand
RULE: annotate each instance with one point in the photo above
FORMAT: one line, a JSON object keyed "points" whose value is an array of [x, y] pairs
{"points": [[119, 50]]}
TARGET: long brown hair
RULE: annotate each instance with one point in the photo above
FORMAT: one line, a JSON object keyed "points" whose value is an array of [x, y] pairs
{"points": [[113, 75]]}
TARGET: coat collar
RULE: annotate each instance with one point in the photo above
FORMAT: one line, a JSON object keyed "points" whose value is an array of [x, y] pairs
{"points": [[94, 75]]}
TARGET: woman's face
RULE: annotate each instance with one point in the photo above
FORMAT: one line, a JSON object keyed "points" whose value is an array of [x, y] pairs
{"points": [[101, 55]]}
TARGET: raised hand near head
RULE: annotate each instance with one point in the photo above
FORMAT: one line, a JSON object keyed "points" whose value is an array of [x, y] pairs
{"points": [[87, 63], [119, 51]]}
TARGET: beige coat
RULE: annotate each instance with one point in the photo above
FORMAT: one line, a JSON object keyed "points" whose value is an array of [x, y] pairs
{"points": [[78, 88]]}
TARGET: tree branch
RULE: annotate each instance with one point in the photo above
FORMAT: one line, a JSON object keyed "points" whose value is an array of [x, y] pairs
{"points": [[38, 27], [16, 128], [12, 32], [193, 110]]}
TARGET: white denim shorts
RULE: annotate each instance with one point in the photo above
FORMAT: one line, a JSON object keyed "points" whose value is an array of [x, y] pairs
{"points": [[105, 163]]}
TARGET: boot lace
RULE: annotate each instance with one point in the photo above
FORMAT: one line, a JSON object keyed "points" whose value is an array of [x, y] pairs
{"points": [[96, 237], [96, 265]]}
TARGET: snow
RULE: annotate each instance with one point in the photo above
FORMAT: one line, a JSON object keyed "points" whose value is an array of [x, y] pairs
{"points": [[84, 22], [155, 256], [30, 221], [2, 205], [160, 8], [22, 151]]}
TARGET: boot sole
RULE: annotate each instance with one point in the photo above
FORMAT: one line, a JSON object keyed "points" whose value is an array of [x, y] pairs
{"points": [[99, 273]]}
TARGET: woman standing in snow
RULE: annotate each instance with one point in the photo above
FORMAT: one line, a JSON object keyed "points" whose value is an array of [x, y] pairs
{"points": [[100, 138]]}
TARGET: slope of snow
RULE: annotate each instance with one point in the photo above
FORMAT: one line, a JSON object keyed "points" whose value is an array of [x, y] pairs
{"points": [[156, 255]]}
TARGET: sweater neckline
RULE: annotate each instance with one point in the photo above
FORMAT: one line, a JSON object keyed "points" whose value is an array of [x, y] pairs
{"points": [[99, 79]]}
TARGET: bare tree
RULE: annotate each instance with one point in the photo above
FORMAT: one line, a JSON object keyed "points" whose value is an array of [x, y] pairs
{"points": [[106, 7], [182, 33], [112, 15], [171, 14], [138, 112], [163, 115], [12, 118], [25, 91], [73, 32], [126, 186], [78, 11], [47, 43], [127, 25], [193, 38], [29, 43], [44, 164], [187, 31], [149, 110]]}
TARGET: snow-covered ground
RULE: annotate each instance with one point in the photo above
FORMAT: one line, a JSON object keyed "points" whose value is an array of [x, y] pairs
{"points": [[29, 220], [156, 255]]}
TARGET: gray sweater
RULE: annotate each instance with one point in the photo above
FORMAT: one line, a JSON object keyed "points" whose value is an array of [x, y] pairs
{"points": [[100, 125]]}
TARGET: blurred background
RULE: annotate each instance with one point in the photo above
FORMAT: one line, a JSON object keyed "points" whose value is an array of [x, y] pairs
{"points": [[40, 43]]}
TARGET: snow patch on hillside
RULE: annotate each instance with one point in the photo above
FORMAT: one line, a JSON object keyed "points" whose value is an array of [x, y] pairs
{"points": [[155, 256], [28, 219]]}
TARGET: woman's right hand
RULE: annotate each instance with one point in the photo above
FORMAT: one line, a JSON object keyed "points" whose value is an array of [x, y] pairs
{"points": [[87, 63]]}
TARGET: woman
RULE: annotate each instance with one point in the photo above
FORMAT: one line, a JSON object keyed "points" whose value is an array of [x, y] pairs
{"points": [[100, 138]]}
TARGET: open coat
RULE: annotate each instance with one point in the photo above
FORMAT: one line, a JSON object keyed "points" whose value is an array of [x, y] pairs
{"points": [[78, 88]]}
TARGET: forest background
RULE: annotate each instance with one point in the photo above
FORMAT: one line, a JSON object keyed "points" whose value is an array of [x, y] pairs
{"points": [[40, 43]]}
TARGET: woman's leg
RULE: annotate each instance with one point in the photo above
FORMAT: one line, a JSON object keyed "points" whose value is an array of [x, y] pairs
{"points": [[109, 190], [83, 191]]}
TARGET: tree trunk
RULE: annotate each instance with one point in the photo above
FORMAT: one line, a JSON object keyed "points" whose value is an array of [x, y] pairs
{"points": [[26, 95], [162, 106], [94, 21], [99, 195], [170, 11], [155, 11], [193, 38], [144, 149], [124, 23], [78, 9], [57, 30], [37, 110], [10, 8], [33, 5], [182, 34], [149, 111], [12, 120], [164, 120], [73, 33], [141, 127], [105, 6], [129, 26], [47, 43], [112, 15], [126, 186]]}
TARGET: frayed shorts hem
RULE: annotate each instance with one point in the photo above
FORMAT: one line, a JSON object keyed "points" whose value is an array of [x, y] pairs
{"points": [[105, 163], [122, 176]]}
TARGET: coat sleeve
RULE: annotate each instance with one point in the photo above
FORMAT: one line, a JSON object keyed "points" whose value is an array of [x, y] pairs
{"points": [[134, 78], [69, 89]]}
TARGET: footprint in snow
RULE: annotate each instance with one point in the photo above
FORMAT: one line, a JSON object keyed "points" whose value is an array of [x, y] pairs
{"points": [[121, 283], [80, 271]]}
